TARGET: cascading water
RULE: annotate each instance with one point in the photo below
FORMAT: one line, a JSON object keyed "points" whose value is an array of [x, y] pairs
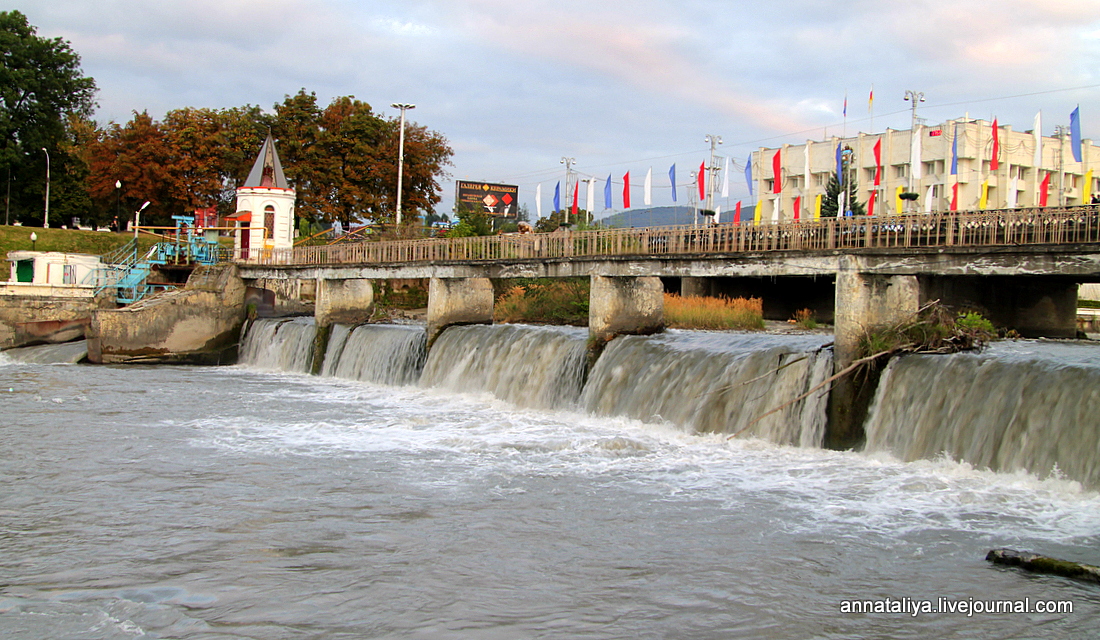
{"points": [[1018, 406], [716, 382], [279, 344], [528, 366], [384, 354]]}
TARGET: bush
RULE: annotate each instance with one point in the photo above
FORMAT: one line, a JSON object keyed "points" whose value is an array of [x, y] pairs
{"points": [[697, 312], [805, 318], [550, 301]]}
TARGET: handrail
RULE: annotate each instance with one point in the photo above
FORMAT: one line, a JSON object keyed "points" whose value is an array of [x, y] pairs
{"points": [[1002, 227]]}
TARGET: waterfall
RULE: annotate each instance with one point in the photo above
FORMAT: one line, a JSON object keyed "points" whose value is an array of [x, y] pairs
{"points": [[279, 344], [64, 353], [1024, 406], [715, 382], [528, 366], [384, 354]]}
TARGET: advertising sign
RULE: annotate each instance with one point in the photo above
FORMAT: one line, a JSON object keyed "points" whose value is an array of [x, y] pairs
{"points": [[493, 199]]}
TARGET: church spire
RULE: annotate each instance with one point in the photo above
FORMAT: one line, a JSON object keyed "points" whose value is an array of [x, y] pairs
{"points": [[267, 172]]}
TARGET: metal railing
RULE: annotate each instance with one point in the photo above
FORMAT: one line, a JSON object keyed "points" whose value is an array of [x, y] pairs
{"points": [[1004, 227]]}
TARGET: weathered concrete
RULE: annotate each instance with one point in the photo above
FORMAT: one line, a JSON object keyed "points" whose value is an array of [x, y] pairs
{"points": [[344, 302], [454, 301], [38, 314], [199, 324], [690, 286], [620, 305], [1035, 306]]}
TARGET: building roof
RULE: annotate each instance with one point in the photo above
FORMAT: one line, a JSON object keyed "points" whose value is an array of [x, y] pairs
{"points": [[267, 171]]}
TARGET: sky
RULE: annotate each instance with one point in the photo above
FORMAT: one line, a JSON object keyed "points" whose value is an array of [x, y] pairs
{"points": [[518, 85]]}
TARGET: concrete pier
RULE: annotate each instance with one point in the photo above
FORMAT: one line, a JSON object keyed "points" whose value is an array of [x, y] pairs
{"points": [[625, 305], [454, 301], [348, 301]]}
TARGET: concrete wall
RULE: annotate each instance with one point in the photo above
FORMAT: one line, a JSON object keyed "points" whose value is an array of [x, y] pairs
{"points": [[454, 301], [865, 301], [344, 301], [33, 314], [197, 325], [1035, 306], [619, 305]]}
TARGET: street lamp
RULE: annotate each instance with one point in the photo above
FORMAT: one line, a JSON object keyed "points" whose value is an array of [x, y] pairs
{"points": [[46, 218], [118, 202], [34, 239], [401, 154], [137, 218]]}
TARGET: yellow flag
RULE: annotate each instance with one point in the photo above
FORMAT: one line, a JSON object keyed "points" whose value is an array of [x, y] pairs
{"points": [[759, 211], [1086, 193], [984, 200], [899, 204], [817, 207]]}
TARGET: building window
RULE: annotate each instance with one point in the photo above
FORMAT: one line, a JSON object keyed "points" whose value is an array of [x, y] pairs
{"points": [[269, 221], [901, 171], [68, 274]]}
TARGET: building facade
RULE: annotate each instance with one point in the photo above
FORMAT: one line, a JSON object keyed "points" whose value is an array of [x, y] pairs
{"points": [[265, 206], [920, 162]]}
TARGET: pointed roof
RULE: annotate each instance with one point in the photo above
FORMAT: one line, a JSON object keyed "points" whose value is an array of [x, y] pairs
{"points": [[267, 171]]}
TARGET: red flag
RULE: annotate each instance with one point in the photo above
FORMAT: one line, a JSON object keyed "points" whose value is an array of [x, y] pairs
{"points": [[778, 186], [702, 172], [955, 197], [994, 162], [797, 207], [871, 203], [1044, 189], [626, 191], [878, 162], [576, 188], [737, 213]]}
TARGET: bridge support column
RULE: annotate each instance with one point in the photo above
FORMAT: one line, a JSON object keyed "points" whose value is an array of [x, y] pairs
{"points": [[863, 301], [693, 286], [620, 304], [454, 301], [349, 301]]}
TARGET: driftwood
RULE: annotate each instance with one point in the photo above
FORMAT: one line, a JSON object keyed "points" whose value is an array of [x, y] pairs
{"points": [[1044, 564]]}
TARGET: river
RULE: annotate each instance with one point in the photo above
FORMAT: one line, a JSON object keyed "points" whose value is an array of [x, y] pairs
{"points": [[246, 502]]}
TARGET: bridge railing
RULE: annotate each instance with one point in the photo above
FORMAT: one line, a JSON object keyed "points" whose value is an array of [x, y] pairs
{"points": [[1006, 227]]}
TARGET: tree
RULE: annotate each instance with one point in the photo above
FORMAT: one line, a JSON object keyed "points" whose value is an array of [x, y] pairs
{"points": [[138, 156], [830, 203], [41, 86]]}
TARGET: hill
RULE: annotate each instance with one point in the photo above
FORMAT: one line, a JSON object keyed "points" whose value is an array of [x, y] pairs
{"points": [[651, 217]]}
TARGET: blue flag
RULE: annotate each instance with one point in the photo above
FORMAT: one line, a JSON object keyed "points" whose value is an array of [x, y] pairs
{"points": [[557, 196], [839, 165], [955, 152], [607, 193], [672, 179], [1075, 133], [748, 173]]}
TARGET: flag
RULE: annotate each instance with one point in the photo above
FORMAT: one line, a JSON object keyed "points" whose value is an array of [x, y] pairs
{"points": [[700, 178], [955, 197], [607, 193], [955, 152], [737, 213], [626, 190], [647, 194], [928, 199], [777, 209], [878, 162], [1037, 132], [590, 198], [1013, 186], [983, 200], [899, 204], [672, 179], [717, 213], [871, 203], [797, 207], [777, 172], [748, 173], [758, 212], [576, 192], [994, 162], [1086, 194], [817, 207], [726, 179], [871, 99], [1075, 133], [538, 200], [557, 196], [845, 104], [839, 164], [1044, 188]]}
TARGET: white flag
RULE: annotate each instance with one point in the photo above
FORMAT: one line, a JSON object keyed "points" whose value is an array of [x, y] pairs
{"points": [[1037, 161], [726, 180], [1013, 184], [718, 208], [928, 200], [648, 193], [538, 201], [590, 197], [914, 154]]}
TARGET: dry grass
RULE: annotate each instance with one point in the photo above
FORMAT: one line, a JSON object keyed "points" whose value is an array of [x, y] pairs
{"points": [[696, 312], [563, 301]]}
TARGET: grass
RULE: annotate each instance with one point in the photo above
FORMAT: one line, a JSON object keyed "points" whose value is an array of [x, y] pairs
{"points": [[94, 243], [695, 312], [805, 319], [550, 301]]}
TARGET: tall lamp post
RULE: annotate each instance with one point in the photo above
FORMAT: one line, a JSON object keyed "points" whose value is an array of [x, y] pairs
{"points": [[46, 218], [401, 154], [118, 202], [137, 218]]}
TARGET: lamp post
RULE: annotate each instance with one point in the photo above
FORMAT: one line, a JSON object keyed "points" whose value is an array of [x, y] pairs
{"points": [[915, 97], [568, 162], [34, 241], [137, 218], [118, 202], [712, 170], [401, 154], [46, 218]]}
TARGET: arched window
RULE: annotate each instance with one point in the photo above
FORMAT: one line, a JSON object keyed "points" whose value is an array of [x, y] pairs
{"points": [[269, 221]]}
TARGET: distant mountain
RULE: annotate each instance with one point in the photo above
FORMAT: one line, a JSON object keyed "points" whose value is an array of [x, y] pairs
{"points": [[651, 217]]}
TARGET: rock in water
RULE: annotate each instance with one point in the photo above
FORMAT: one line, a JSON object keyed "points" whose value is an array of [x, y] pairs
{"points": [[1044, 564]]}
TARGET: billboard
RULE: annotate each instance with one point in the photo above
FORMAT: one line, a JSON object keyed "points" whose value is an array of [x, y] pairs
{"points": [[493, 199]]}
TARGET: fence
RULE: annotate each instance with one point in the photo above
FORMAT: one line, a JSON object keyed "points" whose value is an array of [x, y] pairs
{"points": [[1005, 227]]}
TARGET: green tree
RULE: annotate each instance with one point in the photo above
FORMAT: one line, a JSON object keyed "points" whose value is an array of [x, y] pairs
{"points": [[41, 86], [830, 204]]}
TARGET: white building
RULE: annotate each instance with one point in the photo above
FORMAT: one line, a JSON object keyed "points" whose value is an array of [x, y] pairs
{"points": [[1024, 163], [51, 267], [265, 206]]}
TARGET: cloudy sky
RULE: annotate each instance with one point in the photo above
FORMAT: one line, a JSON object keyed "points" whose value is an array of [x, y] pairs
{"points": [[516, 85]]}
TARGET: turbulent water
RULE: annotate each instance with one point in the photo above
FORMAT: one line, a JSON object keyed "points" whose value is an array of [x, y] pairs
{"points": [[237, 502]]}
